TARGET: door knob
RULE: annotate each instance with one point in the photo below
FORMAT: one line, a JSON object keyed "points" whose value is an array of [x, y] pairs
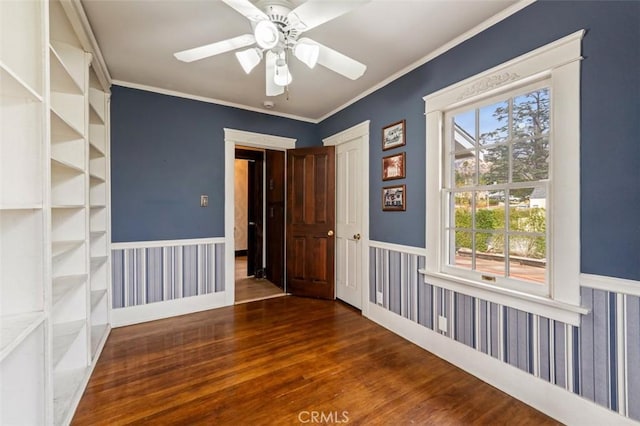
{"points": [[356, 236], [330, 233]]}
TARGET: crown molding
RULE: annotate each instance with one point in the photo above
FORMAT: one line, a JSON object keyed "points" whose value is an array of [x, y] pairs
{"points": [[183, 95], [434, 54], [80, 23]]}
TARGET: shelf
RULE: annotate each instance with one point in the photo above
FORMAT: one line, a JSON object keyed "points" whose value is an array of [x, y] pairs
{"points": [[27, 206], [73, 63], [14, 87], [63, 337], [98, 335], [68, 186], [96, 178], [61, 77], [65, 285], [59, 248], [97, 138], [67, 164], [60, 126], [67, 206], [97, 261], [15, 329], [96, 297], [98, 234], [96, 105], [94, 153], [66, 385], [94, 116], [98, 206]]}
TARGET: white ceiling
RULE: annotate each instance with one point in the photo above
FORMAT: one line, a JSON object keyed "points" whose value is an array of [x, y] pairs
{"points": [[138, 38]]}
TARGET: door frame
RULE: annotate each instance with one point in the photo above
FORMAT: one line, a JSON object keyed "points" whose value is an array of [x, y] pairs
{"points": [[232, 139], [359, 131]]}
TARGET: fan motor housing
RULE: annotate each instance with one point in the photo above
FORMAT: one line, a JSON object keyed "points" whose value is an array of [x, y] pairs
{"points": [[277, 11]]}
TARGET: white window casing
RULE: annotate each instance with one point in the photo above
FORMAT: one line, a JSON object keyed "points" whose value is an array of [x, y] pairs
{"points": [[559, 63]]}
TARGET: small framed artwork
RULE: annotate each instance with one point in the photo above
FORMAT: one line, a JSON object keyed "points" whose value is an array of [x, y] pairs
{"points": [[393, 135], [393, 166], [394, 198]]}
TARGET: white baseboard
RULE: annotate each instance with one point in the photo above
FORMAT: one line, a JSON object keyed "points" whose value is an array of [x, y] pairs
{"points": [[170, 308], [550, 399]]}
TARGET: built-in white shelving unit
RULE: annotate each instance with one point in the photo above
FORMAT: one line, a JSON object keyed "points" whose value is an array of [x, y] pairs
{"points": [[100, 231], [23, 215], [54, 210], [70, 242]]}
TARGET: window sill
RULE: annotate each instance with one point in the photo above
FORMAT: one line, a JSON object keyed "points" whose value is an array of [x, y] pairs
{"points": [[537, 305]]}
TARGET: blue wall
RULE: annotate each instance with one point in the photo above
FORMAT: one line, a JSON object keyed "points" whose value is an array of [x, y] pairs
{"points": [[165, 152], [610, 129]]}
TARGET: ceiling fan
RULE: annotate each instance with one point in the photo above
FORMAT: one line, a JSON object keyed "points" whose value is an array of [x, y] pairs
{"points": [[277, 27]]}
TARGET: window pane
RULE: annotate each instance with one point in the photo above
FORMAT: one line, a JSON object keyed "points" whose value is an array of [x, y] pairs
{"points": [[490, 253], [531, 160], [464, 130], [496, 199], [462, 210], [527, 219], [494, 165], [461, 250], [494, 123], [464, 169], [531, 114], [527, 258], [489, 210]]}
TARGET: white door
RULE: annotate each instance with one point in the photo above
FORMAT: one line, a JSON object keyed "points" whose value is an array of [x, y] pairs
{"points": [[349, 208]]}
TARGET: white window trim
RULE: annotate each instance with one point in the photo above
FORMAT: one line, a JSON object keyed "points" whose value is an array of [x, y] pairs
{"points": [[559, 61]]}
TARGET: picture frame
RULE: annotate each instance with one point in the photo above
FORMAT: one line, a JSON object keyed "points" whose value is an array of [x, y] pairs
{"points": [[394, 198], [393, 166], [394, 135]]}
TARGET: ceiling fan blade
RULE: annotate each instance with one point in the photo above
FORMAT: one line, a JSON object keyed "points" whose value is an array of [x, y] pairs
{"points": [[337, 62], [316, 12], [270, 66], [213, 49], [247, 9]]}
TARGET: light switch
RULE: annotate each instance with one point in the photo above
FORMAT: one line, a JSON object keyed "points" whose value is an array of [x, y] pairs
{"points": [[204, 200]]}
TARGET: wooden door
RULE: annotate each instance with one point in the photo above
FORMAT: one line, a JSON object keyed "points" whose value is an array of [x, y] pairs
{"points": [[274, 166], [349, 222], [311, 222]]}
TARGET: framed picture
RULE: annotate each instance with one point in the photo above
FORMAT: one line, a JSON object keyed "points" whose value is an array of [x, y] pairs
{"points": [[393, 166], [393, 135], [394, 198]]}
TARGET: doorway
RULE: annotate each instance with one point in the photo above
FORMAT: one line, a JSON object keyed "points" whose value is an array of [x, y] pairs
{"points": [[258, 224]]}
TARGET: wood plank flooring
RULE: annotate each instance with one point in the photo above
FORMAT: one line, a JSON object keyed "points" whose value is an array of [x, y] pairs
{"points": [[276, 362], [248, 289]]}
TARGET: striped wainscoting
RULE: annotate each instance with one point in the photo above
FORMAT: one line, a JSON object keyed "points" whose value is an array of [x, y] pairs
{"points": [[150, 272], [599, 360]]}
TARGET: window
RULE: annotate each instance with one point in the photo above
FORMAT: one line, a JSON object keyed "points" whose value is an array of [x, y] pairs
{"points": [[502, 214], [497, 161]]}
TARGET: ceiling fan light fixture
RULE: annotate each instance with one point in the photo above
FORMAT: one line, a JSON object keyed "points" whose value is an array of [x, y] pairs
{"points": [[266, 34], [307, 53], [282, 75], [249, 58]]}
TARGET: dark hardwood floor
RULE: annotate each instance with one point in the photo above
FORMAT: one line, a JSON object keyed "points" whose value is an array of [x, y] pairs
{"points": [[282, 361]]}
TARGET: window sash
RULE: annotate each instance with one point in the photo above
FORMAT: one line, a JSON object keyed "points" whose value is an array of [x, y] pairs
{"points": [[449, 189]]}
